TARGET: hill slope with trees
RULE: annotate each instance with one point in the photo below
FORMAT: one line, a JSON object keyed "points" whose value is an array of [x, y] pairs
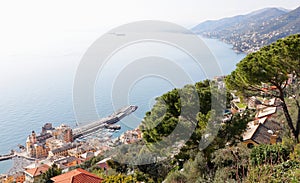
{"points": [[226, 159]]}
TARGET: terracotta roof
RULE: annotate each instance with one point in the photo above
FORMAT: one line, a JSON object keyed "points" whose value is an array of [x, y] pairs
{"points": [[77, 176], [37, 171]]}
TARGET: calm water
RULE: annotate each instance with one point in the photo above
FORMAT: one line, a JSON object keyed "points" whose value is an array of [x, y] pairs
{"points": [[35, 90]]}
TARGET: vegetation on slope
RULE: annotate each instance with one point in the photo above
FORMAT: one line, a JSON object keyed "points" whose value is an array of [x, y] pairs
{"points": [[276, 65], [226, 159]]}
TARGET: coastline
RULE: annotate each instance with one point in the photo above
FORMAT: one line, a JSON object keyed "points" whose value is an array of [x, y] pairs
{"points": [[99, 130], [226, 56]]}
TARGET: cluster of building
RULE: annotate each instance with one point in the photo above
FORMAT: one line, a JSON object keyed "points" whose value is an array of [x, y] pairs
{"points": [[264, 129], [50, 141], [248, 42], [58, 146], [131, 136]]}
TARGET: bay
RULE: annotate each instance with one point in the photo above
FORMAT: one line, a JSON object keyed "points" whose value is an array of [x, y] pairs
{"points": [[36, 89]]}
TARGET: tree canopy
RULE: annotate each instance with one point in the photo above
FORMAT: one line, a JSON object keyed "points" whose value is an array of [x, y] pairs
{"points": [[273, 71], [51, 172]]}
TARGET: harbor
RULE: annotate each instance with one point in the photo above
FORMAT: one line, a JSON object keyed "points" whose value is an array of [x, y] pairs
{"points": [[62, 140], [104, 122]]}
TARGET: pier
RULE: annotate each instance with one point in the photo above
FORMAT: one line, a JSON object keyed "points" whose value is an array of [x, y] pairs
{"points": [[6, 157], [84, 130], [16, 154], [102, 123]]}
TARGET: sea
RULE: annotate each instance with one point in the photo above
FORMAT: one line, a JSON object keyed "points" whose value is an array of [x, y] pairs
{"points": [[36, 89]]}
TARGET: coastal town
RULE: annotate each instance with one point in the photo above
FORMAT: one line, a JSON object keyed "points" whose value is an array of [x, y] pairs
{"points": [[66, 147], [250, 32], [150, 91]]}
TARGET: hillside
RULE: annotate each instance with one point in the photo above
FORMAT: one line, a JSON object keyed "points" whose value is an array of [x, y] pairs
{"points": [[247, 33]]}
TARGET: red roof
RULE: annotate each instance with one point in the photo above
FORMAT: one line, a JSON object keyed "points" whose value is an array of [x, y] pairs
{"points": [[77, 176], [38, 170]]}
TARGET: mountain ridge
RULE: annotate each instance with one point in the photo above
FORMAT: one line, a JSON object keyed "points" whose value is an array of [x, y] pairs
{"points": [[248, 33]]}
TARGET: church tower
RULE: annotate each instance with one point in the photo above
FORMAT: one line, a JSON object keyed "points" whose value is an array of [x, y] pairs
{"points": [[33, 137], [28, 145]]}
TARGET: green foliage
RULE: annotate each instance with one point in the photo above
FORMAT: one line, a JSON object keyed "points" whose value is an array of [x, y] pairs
{"points": [[175, 177], [264, 163], [120, 178], [269, 65], [272, 66], [295, 155], [193, 170], [269, 154], [231, 131], [150, 171], [231, 163], [142, 177], [224, 160], [90, 165], [119, 167], [288, 171], [156, 171], [228, 164], [51, 172], [164, 116], [160, 122]]}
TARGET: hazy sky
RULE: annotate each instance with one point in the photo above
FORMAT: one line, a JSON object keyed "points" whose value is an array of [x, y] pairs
{"points": [[47, 27]]}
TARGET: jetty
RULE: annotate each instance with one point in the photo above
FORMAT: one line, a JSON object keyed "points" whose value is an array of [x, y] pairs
{"points": [[84, 130], [6, 157], [16, 154], [103, 122]]}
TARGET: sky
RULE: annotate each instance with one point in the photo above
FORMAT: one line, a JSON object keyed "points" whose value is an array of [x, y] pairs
{"points": [[35, 27]]}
